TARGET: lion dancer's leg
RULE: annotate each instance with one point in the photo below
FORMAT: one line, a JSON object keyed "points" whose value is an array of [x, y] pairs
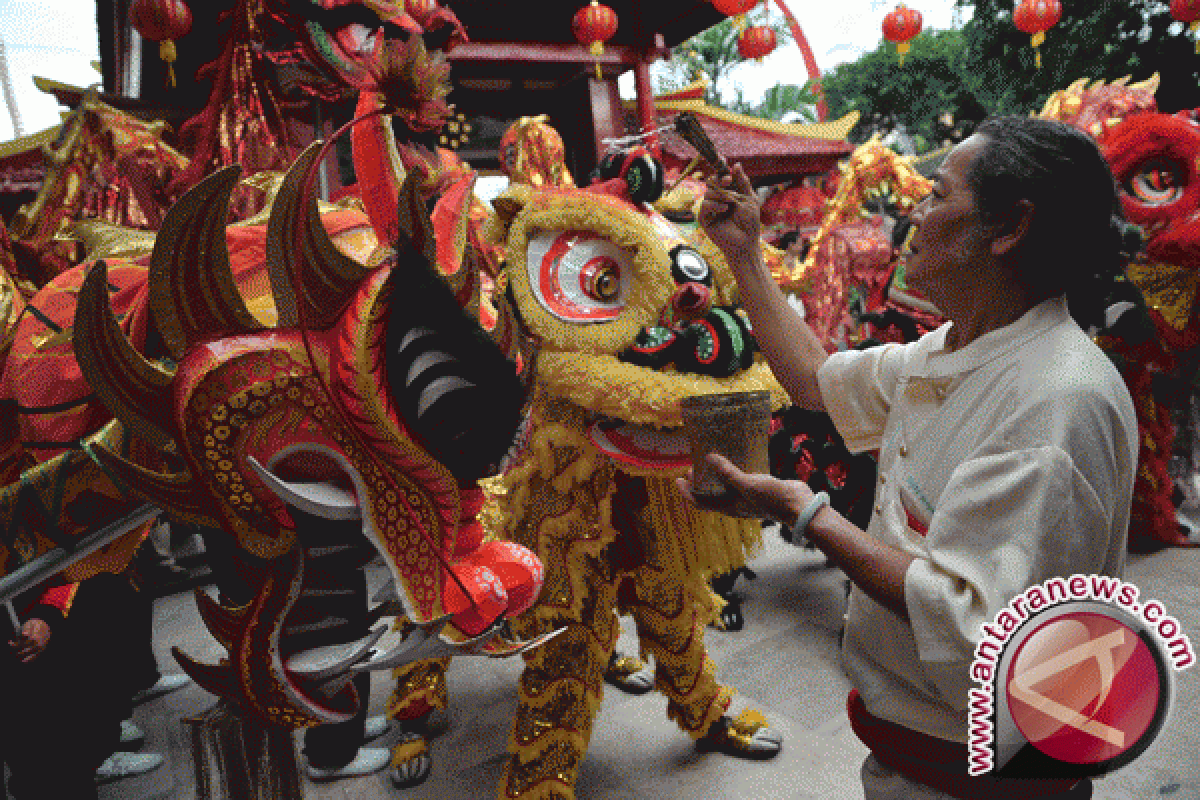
{"points": [[559, 694], [671, 616], [420, 690]]}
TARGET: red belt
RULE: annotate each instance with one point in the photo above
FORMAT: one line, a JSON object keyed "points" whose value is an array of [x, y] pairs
{"points": [[940, 763]]}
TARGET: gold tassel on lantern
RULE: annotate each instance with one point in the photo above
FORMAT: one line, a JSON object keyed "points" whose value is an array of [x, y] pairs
{"points": [[1194, 28], [166, 51], [902, 48], [598, 50], [1038, 39]]}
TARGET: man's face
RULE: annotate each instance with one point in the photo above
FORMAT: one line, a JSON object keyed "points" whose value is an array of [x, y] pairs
{"points": [[951, 242]]}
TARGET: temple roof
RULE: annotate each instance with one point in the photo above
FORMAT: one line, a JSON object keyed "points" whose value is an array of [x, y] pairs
{"points": [[22, 164], [765, 148]]}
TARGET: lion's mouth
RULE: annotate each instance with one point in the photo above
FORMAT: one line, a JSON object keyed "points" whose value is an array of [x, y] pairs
{"points": [[642, 446]]}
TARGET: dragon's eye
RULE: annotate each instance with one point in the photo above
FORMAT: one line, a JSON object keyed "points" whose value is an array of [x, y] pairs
{"points": [[1156, 183], [578, 276], [688, 266]]}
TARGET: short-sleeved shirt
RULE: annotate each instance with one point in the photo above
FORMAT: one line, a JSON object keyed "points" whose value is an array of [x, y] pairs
{"points": [[1001, 465]]}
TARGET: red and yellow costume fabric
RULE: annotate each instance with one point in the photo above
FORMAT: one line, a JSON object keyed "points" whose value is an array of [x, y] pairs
{"points": [[592, 490], [1154, 159]]}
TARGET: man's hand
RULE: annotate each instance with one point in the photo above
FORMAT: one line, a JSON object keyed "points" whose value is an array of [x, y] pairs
{"points": [[32, 641], [729, 215], [752, 494]]}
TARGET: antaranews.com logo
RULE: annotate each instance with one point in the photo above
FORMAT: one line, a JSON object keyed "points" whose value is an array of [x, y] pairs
{"points": [[1075, 677]]}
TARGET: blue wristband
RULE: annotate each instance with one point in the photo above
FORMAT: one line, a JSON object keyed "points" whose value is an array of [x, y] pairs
{"points": [[800, 530]]}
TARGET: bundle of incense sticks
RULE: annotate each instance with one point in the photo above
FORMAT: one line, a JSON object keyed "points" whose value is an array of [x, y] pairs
{"points": [[688, 127]]}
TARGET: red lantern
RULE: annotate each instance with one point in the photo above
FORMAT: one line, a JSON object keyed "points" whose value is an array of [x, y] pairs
{"points": [[1035, 17], [900, 26], [421, 10], [1188, 12], [731, 8], [756, 41], [593, 26], [736, 9], [162, 21]]}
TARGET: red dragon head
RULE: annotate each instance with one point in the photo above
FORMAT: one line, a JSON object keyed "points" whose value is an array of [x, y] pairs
{"points": [[362, 402]]}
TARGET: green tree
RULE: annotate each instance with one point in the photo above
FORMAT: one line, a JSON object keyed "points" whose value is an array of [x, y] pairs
{"points": [[935, 81], [713, 53], [781, 99], [1103, 39]]}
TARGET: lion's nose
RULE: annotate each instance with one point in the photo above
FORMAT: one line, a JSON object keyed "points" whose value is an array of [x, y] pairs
{"points": [[690, 302]]}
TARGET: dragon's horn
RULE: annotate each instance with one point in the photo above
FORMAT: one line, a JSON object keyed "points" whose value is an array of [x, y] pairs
{"points": [[176, 493], [1150, 84], [192, 291], [301, 256], [414, 225], [133, 388], [377, 165]]}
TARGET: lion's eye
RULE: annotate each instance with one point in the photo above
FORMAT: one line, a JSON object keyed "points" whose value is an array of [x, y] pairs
{"points": [[688, 266], [1156, 183], [600, 279], [578, 276]]}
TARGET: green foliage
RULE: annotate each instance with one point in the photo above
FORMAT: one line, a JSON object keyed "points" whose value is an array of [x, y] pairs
{"points": [[935, 79], [1097, 39], [988, 67], [781, 99], [713, 53]]}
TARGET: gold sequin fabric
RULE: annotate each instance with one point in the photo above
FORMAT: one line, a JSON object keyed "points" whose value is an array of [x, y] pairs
{"points": [[420, 687], [557, 500]]}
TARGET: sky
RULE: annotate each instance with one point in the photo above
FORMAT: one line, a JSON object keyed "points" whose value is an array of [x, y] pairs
{"points": [[57, 39]]}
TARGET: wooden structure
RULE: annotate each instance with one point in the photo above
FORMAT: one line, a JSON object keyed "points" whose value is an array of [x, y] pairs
{"points": [[22, 169], [769, 151], [522, 60]]}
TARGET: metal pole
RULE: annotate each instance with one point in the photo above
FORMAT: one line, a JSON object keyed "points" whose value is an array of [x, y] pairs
{"points": [[48, 564], [319, 133], [10, 99]]}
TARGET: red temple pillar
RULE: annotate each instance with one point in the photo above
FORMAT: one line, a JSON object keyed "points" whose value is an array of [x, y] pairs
{"points": [[607, 117], [647, 117]]}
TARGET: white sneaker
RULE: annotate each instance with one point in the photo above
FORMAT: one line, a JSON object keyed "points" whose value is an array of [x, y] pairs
{"points": [[132, 736], [368, 760], [127, 765], [165, 685], [376, 726]]}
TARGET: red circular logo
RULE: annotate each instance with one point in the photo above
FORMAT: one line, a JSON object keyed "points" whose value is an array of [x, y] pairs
{"points": [[1084, 688]]}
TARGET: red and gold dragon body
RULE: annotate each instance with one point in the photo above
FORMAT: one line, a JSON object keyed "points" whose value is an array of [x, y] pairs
{"points": [[1155, 158], [230, 375]]}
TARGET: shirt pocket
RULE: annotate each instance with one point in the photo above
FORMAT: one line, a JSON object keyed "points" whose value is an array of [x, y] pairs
{"points": [[914, 510]]}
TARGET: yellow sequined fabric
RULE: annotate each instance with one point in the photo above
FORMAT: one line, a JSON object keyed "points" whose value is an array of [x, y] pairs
{"points": [[420, 686], [407, 751], [1169, 289]]}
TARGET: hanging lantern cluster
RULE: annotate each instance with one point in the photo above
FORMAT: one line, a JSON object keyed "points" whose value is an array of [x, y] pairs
{"points": [[900, 26], [162, 21], [1035, 17], [756, 42], [594, 25], [738, 9], [1188, 12]]}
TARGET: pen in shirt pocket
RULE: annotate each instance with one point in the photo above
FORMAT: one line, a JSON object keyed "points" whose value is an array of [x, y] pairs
{"points": [[917, 510]]}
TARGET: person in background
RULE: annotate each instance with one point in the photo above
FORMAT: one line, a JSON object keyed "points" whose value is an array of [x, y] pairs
{"points": [[63, 689], [1008, 441]]}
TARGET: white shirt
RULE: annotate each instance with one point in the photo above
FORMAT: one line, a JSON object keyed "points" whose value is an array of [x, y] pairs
{"points": [[1018, 453]]}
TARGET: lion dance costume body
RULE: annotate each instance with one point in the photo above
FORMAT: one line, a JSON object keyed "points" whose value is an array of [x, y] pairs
{"points": [[627, 317]]}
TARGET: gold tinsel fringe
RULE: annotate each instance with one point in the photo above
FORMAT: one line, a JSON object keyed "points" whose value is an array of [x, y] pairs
{"points": [[689, 542], [715, 710]]}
